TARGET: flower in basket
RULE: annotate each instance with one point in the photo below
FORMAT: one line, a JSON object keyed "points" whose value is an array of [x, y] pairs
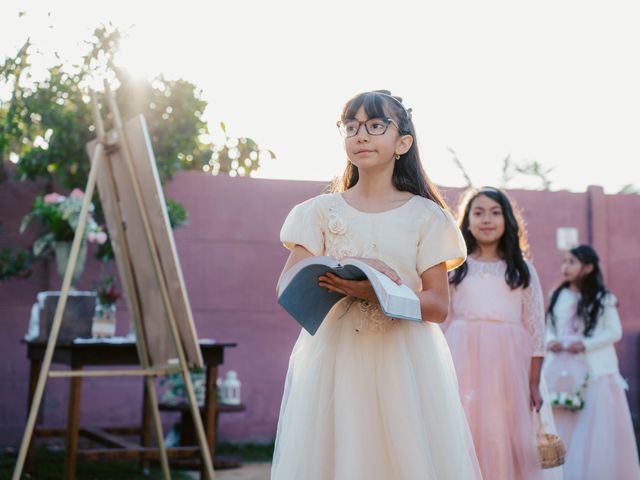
{"points": [[571, 401], [59, 216]]}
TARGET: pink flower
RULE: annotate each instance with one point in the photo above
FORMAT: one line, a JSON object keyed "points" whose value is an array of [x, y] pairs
{"points": [[101, 237], [97, 237], [53, 198], [77, 193]]}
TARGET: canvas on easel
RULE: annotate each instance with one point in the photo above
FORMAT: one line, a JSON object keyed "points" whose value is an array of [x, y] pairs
{"points": [[123, 167], [146, 283]]}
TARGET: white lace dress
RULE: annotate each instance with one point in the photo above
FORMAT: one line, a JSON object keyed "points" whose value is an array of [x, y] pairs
{"points": [[370, 397]]}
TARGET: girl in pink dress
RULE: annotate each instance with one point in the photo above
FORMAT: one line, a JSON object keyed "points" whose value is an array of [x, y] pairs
{"points": [[583, 322], [495, 332]]}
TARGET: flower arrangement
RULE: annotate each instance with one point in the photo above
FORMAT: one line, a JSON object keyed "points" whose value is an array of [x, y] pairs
{"points": [[104, 317], [569, 401], [106, 290], [176, 391], [59, 215]]}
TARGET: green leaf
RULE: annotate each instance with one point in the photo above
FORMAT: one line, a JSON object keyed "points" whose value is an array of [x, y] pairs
{"points": [[42, 243], [26, 220]]}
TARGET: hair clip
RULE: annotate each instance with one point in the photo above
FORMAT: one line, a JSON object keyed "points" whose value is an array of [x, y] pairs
{"points": [[398, 100]]}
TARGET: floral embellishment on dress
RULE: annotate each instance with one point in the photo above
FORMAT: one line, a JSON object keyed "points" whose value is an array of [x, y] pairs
{"points": [[339, 245], [372, 318], [336, 224]]}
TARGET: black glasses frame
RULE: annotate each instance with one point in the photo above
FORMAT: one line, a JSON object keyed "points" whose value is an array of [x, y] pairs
{"points": [[387, 121]]}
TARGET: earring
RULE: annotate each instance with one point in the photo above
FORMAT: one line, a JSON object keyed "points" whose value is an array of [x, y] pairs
{"points": [[397, 156]]}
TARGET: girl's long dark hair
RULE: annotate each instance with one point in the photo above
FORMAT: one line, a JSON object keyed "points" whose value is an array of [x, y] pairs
{"points": [[408, 174], [592, 290], [512, 246]]}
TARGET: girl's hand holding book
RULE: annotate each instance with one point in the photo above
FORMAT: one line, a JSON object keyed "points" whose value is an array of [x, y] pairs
{"points": [[381, 267], [352, 288]]}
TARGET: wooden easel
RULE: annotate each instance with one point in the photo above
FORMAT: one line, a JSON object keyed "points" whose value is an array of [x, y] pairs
{"points": [[182, 334]]}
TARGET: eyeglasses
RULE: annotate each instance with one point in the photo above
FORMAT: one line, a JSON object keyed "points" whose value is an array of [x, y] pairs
{"points": [[373, 126]]}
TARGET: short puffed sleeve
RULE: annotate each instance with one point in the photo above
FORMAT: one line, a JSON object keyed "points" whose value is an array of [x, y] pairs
{"points": [[440, 240], [303, 226]]}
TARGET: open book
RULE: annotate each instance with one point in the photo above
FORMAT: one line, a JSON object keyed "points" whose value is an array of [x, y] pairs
{"points": [[308, 303]]}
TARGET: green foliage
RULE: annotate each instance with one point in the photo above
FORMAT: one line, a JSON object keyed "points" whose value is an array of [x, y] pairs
{"points": [[178, 215], [630, 189], [46, 123], [49, 465], [234, 156], [15, 262], [104, 251], [51, 120], [59, 119], [248, 452]]}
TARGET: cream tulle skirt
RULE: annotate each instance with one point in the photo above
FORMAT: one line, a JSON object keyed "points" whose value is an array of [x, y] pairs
{"points": [[369, 398]]}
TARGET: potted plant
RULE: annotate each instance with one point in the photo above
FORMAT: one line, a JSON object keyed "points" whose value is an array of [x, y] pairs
{"points": [[104, 318], [59, 215]]}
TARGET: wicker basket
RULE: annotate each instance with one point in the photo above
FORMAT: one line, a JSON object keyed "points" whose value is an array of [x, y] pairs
{"points": [[551, 450], [550, 446]]}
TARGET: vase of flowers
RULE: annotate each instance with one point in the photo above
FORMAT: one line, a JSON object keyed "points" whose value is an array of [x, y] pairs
{"points": [[61, 252], [59, 215], [104, 318]]}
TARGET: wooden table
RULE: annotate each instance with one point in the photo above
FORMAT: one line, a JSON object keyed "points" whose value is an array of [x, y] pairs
{"points": [[78, 355]]}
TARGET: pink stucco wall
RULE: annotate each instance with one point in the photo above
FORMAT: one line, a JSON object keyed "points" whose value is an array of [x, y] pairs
{"points": [[231, 258]]}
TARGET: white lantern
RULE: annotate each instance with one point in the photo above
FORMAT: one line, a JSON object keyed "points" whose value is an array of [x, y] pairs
{"points": [[230, 391]]}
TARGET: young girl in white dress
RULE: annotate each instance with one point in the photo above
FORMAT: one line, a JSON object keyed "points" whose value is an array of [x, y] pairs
{"points": [[583, 322], [370, 397]]}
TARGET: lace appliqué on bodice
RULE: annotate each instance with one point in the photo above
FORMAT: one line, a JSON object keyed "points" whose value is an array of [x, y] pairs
{"points": [[340, 244], [533, 312], [485, 269], [339, 241]]}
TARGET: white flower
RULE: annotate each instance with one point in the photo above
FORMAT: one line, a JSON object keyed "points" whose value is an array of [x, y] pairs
{"points": [[337, 225]]}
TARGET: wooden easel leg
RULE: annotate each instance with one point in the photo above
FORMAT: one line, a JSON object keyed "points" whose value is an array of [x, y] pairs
{"points": [[155, 413], [73, 426], [34, 373], [205, 452], [57, 319], [145, 428]]}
